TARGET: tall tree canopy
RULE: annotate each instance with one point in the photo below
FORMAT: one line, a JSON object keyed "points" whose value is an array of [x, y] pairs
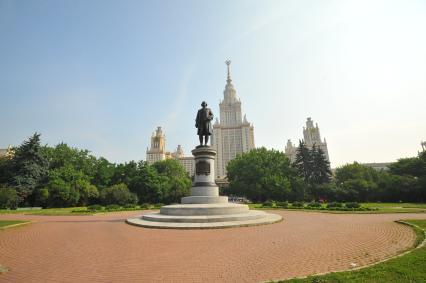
{"points": [[303, 162], [29, 168], [177, 180], [262, 175]]}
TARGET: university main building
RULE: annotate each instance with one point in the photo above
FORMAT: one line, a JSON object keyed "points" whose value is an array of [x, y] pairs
{"points": [[232, 135]]}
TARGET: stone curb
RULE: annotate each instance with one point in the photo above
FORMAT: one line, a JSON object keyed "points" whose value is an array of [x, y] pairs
{"points": [[422, 244], [15, 225], [236, 225]]}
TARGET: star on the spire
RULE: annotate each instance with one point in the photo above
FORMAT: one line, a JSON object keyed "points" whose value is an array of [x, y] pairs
{"points": [[228, 62]]}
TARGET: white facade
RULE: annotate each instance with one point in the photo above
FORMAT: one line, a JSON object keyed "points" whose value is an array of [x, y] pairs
{"points": [[232, 134], [189, 164], [311, 136], [290, 151], [158, 152], [7, 153]]}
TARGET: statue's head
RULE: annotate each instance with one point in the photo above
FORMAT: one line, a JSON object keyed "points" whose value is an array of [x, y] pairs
{"points": [[204, 104]]}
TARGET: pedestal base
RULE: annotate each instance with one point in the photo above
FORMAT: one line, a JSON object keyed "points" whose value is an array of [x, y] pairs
{"points": [[204, 199], [204, 209], [204, 216]]}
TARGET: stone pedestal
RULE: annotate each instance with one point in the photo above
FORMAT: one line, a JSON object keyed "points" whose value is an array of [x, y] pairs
{"points": [[204, 189], [204, 208]]}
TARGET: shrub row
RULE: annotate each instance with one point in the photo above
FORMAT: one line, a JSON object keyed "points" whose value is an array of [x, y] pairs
{"points": [[349, 206], [116, 207]]}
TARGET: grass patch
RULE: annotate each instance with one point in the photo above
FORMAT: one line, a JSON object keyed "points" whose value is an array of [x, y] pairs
{"points": [[6, 223], [3, 269], [81, 210], [46, 211], [407, 268], [368, 208], [396, 207]]}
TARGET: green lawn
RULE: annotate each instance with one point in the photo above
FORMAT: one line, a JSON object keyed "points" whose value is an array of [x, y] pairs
{"points": [[69, 211], [377, 208], [5, 223], [47, 211], [397, 207], [381, 208], [407, 268]]}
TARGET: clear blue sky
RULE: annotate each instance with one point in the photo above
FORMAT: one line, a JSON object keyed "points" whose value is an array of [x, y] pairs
{"points": [[102, 75]]}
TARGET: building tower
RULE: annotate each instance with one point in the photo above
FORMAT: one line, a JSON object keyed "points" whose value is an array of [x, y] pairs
{"points": [[312, 137], [290, 151], [157, 151], [7, 153], [232, 134]]}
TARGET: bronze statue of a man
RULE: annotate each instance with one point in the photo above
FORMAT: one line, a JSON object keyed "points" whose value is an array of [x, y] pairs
{"points": [[203, 123]]}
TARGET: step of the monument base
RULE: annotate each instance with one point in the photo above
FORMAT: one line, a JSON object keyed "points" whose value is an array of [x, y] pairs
{"points": [[204, 209], [204, 199], [267, 219], [158, 217]]}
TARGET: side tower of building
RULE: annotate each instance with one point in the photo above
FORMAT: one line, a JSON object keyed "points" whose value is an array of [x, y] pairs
{"points": [[232, 134], [157, 151], [7, 153], [290, 151], [312, 137]]}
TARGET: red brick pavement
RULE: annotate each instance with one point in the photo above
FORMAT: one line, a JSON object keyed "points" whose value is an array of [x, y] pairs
{"points": [[103, 248]]}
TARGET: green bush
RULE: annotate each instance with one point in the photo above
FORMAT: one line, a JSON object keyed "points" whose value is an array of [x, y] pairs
{"points": [[113, 207], [8, 198], [352, 205], [95, 207], [269, 203], [159, 204], [314, 204], [282, 204], [334, 205], [145, 206], [118, 194], [298, 204], [130, 205]]}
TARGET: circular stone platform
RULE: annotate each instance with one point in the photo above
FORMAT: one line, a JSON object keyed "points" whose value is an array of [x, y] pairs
{"points": [[204, 208], [204, 216]]}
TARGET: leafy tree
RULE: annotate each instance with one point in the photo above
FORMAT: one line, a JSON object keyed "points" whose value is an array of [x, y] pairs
{"points": [[178, 182], [321, 172], [61, 193], [5, 171], [104, 173], [29, 168], [146, 183], [414, 166], [62, 156], [42, 197], [304, 162], [68, 187], [125, 173], [357, 182], [118, 194], [409, 178], [262, 175], [8, 198]]}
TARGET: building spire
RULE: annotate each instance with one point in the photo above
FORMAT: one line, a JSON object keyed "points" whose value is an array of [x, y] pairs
{"points": [[228, 78]]}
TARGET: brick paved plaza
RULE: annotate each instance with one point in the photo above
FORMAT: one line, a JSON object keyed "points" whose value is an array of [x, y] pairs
{"points": [[103, 248]]}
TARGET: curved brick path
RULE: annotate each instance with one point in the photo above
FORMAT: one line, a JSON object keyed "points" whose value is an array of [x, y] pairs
{"points": [[103, 248]]}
